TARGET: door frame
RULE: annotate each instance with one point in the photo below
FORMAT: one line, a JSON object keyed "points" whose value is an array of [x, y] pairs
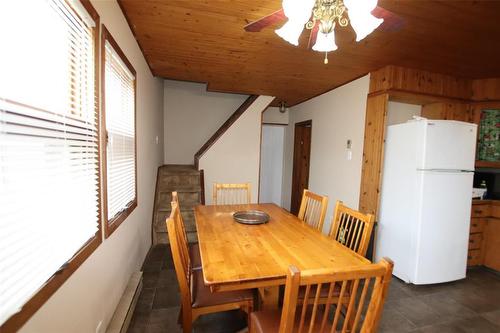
{"points": [[305, 123]]}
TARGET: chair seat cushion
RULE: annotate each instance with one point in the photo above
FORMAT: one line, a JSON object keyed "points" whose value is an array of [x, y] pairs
{"points": [[203, 296], [268, 321], [194, 254]]}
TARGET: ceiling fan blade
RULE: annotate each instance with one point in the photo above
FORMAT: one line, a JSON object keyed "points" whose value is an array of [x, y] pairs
{"points": [[313, 36], [392, 21], [266, 21]]}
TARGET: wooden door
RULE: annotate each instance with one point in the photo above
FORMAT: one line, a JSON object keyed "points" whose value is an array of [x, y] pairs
{"points": [[301, 159]]}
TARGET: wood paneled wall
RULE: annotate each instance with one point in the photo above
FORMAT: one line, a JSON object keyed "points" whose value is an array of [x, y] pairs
{"points": [[486, 90], [441, 97], [448, 111], [373, 152], [418, 81]]}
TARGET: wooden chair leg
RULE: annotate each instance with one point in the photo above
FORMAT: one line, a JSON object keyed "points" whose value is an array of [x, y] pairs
{"points": [[187, 322], [249, 312]]}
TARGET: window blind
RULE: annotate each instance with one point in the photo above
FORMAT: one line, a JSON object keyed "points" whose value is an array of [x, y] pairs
{"points": [[49, 191], [119, 97]]}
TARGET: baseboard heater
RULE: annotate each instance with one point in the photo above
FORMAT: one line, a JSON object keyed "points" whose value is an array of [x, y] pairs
{"points": [[125, 309]]}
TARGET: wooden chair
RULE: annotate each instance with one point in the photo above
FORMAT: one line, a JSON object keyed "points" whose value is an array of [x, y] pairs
{"points": [[231, 194], [194, 249], [313, 209], [360, 313], [352, 228], [196, 298]]}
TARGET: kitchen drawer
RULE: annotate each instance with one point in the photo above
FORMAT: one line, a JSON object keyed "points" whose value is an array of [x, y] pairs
{"points": [[477, 224], [475, 241], [480, 210], [474, 258]]}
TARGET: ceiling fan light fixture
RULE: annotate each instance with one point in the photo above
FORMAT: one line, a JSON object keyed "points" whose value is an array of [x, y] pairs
{"points": [[290, 32], [360, 6], [325, 42], [298, 10], [364, 24]]}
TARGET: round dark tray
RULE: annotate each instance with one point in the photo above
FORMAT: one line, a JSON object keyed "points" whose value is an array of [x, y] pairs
{"points": [[251, 217]]}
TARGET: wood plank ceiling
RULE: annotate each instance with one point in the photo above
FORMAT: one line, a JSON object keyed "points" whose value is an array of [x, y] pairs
{"points": [[204, 41]]}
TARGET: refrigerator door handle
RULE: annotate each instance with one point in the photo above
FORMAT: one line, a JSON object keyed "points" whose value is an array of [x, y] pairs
{"points": [[446, 170]]}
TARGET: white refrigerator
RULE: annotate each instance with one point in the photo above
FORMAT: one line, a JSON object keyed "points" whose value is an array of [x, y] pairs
{"points": [[426, 196]]}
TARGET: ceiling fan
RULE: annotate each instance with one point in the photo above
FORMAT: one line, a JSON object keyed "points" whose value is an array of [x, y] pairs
{"points": [[322, 16]]}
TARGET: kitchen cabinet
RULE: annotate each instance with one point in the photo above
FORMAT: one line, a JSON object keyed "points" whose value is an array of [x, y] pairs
{"points": [[484, 239]]}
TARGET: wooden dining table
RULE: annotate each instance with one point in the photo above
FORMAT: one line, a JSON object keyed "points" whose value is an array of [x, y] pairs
{"points": [[236, 256]]}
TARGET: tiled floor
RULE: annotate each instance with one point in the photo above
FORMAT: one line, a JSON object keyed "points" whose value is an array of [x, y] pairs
{"points": [[470, 305]]}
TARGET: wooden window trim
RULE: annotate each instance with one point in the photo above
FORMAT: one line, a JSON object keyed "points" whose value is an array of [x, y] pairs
{"points": [[16, 321], [110, 225]]}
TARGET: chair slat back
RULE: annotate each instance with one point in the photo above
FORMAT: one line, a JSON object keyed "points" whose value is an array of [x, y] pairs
{"points": [[352, 228], [313, 209], [356, 308], [180, 254], [181, 227], [231, 194]]}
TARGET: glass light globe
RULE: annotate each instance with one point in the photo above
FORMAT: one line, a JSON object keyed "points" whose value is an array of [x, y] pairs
{"points": [[325, 42], [291, 32], [298, 10], [364, 24]]}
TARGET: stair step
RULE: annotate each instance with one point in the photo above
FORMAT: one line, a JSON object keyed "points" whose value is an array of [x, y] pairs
{"points": [[187, 200], [162, 238], [178, 169], [185, 179], [187, 217]]}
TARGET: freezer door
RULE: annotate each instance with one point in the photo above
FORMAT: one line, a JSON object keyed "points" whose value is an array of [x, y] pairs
{"points": [[443, 226], [449, 145]]}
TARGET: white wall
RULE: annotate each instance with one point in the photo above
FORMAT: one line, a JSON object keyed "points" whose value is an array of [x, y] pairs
{"points": [[273, 116], [271, 163], [235, 157], [337, 116], [191, 116], [91, 294], [398, 113]]}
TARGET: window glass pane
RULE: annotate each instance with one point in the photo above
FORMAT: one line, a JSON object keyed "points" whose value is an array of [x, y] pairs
{"points": [[49, 195], [120, 126]]}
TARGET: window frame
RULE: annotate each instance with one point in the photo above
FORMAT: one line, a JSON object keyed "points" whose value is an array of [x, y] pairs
{"points": [[16, 321], [110, 225]]}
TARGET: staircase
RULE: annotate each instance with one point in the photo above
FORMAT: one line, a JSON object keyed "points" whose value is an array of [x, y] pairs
{"points": [[186, 180]]}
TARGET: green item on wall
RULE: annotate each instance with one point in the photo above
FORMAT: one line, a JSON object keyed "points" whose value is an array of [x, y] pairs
{"points": [[489, 136]]}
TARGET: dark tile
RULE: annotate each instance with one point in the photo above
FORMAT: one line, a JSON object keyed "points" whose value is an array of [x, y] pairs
{"points": [[470, 305], [167, 277], [493, 317], [478, 300], [152, 266], [145, 301], [164, 320], [416, 311], [476, 325], [396, 292], [150, 279], [166, 297], [393, 321], [139, 322], [167, 263], [445, 306], [160, 252], [420, 290], [448, 327]]}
